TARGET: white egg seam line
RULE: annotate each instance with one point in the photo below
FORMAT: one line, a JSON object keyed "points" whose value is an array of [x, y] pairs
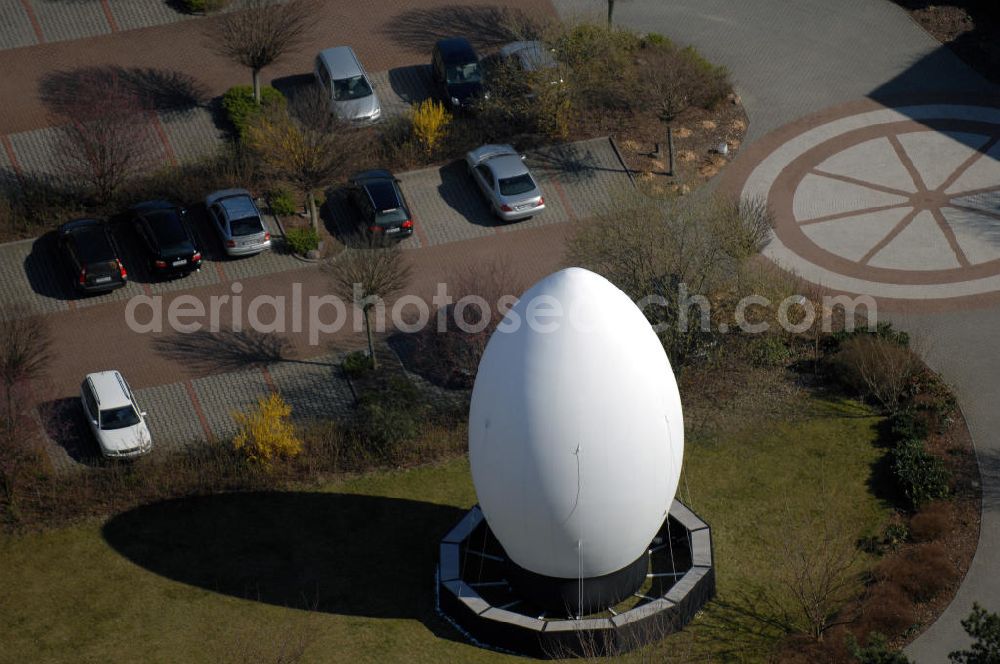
{"points": [[763, 176]]}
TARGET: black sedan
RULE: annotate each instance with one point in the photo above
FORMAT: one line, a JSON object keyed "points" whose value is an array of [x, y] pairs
{"points": [[92, 255], [168, 242]]}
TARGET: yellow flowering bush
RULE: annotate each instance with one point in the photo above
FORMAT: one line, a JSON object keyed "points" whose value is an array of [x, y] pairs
{"points": [[430, 121], [266, 432]]}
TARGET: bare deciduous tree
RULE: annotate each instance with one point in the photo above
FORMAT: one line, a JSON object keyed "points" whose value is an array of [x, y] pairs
{"points": [[25, 351], [106, 137], [24, 355], [261, 32], [820, 569], [879, 368], [367, 277], [304, 146], [450, 352], [683, 253], [676, 79]]}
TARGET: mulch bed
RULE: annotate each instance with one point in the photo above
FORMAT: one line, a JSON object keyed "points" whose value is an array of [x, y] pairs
{"points": [[698, 134]]}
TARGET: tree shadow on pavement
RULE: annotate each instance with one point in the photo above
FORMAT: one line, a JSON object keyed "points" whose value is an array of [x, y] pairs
{"points": [[65, 425], [352, 555], [45, 271], [570, 163], [340, 218], [411, 84], [156, 89], [294, 87], [225, 350], [486, 27]]}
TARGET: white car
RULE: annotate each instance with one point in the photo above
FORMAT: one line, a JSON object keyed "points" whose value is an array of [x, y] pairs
{"points": [[119, 425]]}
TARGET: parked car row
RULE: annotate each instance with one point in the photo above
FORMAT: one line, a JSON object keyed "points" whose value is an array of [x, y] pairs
{"points": [[168, 244], [457, 72]]}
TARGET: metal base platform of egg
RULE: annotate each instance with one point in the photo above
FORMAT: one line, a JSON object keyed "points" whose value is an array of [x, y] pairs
{"points": [[474, 594]]}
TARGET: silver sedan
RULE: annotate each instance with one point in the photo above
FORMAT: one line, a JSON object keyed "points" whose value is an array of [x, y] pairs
{"points": [[238, 222], [500, 173]]}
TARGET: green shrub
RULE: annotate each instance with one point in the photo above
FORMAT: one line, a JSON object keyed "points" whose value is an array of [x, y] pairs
{"points": [[282, 202], [356, 364], [656, 39], [920, 476], [894, 534], [604, 69], [241, 108], [876, 652], [907, 424], [390, 413], [883, 330], [984, 627], [934, 400], [768, 351], [589, 40], [302, 240]]}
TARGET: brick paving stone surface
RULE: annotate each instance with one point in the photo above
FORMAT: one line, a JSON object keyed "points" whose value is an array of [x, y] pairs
{"points": [[446, 204], [7, 174], [61, 20], [585, 172], [172, 419], [28, 282], [401, 87], [316, 388], [16, 27], [132, 14], [192, 133], [223, 394], [36, 151]]}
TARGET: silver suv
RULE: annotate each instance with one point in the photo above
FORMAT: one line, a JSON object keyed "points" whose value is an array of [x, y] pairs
{"points": [[346, 85], [119, 425]]}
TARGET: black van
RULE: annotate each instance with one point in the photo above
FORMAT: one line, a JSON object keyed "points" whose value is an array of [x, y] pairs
{"points": [[458, 76]]}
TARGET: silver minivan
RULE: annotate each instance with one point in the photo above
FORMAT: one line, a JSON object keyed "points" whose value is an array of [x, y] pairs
{"points": [[346, 85]]}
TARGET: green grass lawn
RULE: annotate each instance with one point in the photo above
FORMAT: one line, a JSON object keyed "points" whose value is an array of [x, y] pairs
{"points": [[243, 577]]}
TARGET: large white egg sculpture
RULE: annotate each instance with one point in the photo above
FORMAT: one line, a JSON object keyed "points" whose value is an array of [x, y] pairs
{"points": [[576, 435]]}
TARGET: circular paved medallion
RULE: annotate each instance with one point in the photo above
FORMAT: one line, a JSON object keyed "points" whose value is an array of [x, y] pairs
{"points": [[897, 202]]}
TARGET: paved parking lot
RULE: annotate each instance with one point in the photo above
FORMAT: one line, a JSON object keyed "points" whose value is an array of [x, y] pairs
{"points": [[197, 411], [447, 207], [576, 180], [194, 411]]}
